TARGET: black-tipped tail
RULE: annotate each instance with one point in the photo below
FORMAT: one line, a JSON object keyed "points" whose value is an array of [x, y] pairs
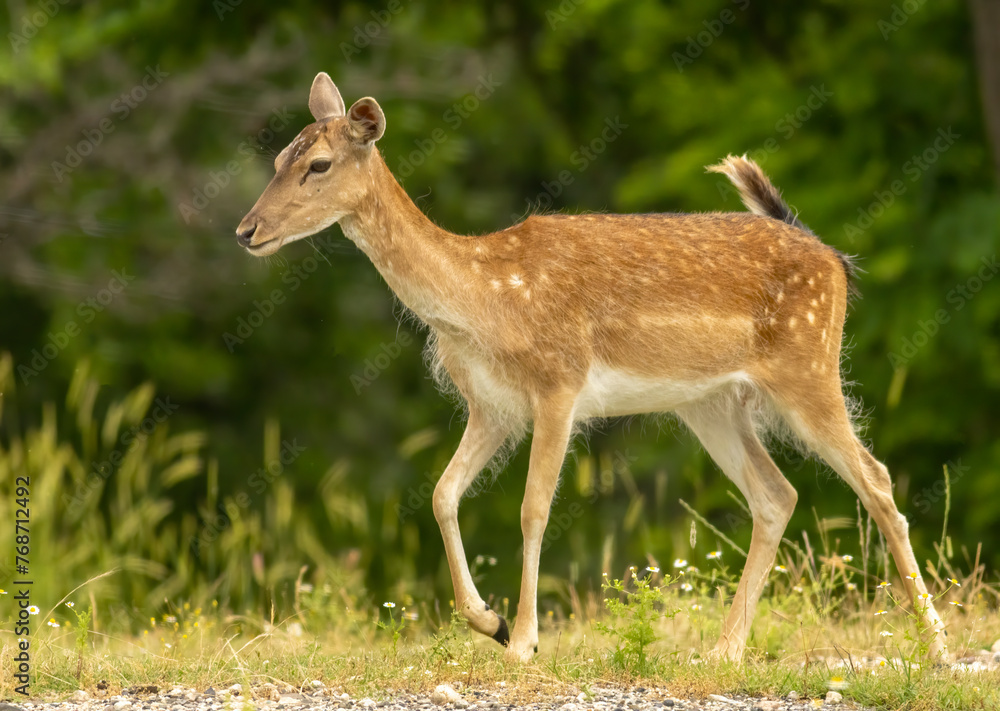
{"points": [[756, 190], [762, 198]]}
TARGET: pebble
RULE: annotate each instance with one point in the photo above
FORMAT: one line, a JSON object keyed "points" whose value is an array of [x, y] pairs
{"points": [[311, 697], [445, 694]]}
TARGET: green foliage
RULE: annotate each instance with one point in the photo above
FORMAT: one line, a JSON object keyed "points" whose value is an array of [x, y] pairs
{"points": [[633, 611]]}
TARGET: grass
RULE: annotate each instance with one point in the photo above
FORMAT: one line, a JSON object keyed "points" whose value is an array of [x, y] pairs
{"points": [[219, 614], [812, 634]]}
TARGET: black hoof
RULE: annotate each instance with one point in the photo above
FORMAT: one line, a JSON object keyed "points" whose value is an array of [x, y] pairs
{"points": [[502, 635], [536, 649], [487, 606]]}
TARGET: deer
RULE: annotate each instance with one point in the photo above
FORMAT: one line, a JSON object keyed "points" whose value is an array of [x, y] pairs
{"points": [[732, 321]]}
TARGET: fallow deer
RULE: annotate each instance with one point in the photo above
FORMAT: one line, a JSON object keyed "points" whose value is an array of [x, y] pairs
{"points": [[732, 321]]}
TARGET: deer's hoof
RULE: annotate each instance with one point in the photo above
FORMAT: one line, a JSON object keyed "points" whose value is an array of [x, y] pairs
{"points": [[502, 635]]}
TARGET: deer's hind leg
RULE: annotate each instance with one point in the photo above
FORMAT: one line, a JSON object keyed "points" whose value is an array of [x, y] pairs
{"points": [[818, 415], [725, 429]]}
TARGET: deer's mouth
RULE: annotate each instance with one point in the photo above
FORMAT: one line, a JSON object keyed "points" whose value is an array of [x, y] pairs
{"points": [[264, 248]]}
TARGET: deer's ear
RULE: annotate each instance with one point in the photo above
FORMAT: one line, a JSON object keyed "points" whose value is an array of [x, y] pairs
{"points": [[366, 120], [325, 100]]}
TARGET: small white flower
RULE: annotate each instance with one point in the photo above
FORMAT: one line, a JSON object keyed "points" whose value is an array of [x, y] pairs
{"points": [[955, 582], [780, 568], [680, 563], [70, 604], [696, 607], [390, 605], [885, 633], [852, 586], [847, 558], [491, 560], [33, 610], [52, 623], [714, 555], [881, 612], [797, 588], [687, 587], [652, 569], [884, 584]]}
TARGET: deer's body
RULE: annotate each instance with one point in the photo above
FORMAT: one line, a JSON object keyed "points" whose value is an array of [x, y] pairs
{"points": [[731, 320]]}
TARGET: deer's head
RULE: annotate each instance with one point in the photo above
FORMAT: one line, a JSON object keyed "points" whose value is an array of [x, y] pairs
{"points": [[320, 177]]}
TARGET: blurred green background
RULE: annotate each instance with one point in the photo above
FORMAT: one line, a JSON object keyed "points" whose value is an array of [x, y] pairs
{"points": [[209, 423]]}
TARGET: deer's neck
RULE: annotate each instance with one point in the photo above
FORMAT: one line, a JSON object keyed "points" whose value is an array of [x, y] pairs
{"points": [[418, 259]]}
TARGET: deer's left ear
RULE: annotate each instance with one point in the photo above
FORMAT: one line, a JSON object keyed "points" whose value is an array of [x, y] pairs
{"points": [[366, 120], [325, 100]]}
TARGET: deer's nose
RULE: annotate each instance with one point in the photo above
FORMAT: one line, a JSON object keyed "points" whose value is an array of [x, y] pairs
{"points": [[244, 237]]}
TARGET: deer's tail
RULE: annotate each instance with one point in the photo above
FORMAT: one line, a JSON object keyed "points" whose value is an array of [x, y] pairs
{"points": [[762, 198]]}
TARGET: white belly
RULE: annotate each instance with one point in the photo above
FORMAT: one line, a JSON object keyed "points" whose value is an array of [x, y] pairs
{"points": [[610, 393]]}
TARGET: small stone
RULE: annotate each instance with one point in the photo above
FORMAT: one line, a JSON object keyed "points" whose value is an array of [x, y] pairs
{"points": [[723, 699], [288, 701], [317, 684], [9, 707], [444, 694], [210, 691], [834, 697], [121, 705], [996, 646], [235, 689], [793, 696], [79, 695], [367, 703], [668, 702]]}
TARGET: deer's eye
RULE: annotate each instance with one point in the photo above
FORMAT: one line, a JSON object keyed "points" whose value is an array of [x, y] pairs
{"points": [[319, 166]]}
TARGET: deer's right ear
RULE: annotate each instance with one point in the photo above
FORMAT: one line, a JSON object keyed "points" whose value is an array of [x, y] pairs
{"points": [[366, 120], [325, 100]]}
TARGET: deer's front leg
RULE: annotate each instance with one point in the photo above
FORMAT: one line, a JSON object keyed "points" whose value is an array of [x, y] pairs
{"points": [[553, 423], [479, 443]]}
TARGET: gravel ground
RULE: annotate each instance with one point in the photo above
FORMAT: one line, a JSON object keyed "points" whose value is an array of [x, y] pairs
{"points": [[319, 698]]}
